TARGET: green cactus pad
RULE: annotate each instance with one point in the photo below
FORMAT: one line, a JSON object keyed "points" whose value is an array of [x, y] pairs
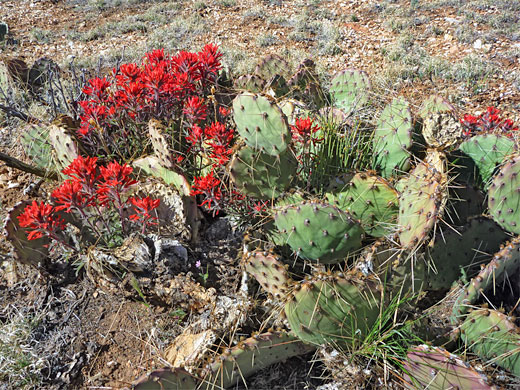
{"points": [[36, 144], [151, 165], [370, 199], [64, 145], [420, 204], [261, 123], [333, 308], [269, 271], [505, 261], [318, 231], [273, 65], [165, 378], [350, 89], [487, 151], [504, 196], [435, 104], [250, 356], [393, 138], [261, 175], [250, 82], [493, 337], [30, 252], [434, 368], [465, 249]]}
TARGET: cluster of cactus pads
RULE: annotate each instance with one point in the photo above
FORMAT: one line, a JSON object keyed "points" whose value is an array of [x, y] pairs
{"points": [[333, 257]]}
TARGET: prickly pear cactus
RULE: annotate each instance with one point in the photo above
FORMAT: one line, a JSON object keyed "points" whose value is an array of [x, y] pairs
{"points": [[261, 123], [269, 271], [420, 204], [435, 104], [151, 165], [503, 196], [507, 260], [261, 175], [165, 378], [494, 337], [30, 252], [250, 356], [457, 251], [64, 145], [488, 151], [333, 308], [435, 368], [235, 364], [318, 231], [393, 138], [350, 90], [271, 66], [250, 82], [370, 199], [37, 146], [161, 143]]}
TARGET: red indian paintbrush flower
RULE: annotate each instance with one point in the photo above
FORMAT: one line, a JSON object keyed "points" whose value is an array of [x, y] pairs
{"points": [[303, 131], [116, 180], [143, 207], [41, 219], [83, 170], [209, 186], [70, 196]]}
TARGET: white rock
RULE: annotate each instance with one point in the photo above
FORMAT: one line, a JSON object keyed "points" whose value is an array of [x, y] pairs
{"points": [[477, 44]]}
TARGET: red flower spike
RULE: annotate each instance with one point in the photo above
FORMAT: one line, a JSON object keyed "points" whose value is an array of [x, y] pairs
{"points": [[116, 180], [303, 130], [70, 195], [143, 207], [41, 218], [195, 135], [209, 186], [194, 110], [83, 170], [98, 88]]}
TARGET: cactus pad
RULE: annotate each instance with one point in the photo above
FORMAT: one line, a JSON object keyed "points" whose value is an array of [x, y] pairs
{"points": [[420, 204], [393, 138], [161, 143], [487, 151], [505, 261], [333, 308], [464, 249], [261, 123], [162, 379], [269, 271], [370, 199], [435, 368], [504, 196], [349, 90], [273, 65], [64, 146], [37, 146], [318, 231], [250, 82], [235, 364], [261, 175], [435, 104], [494, 337]]}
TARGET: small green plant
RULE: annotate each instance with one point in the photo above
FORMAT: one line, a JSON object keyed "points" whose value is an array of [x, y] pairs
{"points": [[178, 314]]}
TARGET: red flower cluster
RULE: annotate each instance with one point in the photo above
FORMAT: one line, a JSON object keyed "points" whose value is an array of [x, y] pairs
{"points": [[90, 191], [489, 122], [208, 186], [161, 86], [303, 131], [42, 220]]}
